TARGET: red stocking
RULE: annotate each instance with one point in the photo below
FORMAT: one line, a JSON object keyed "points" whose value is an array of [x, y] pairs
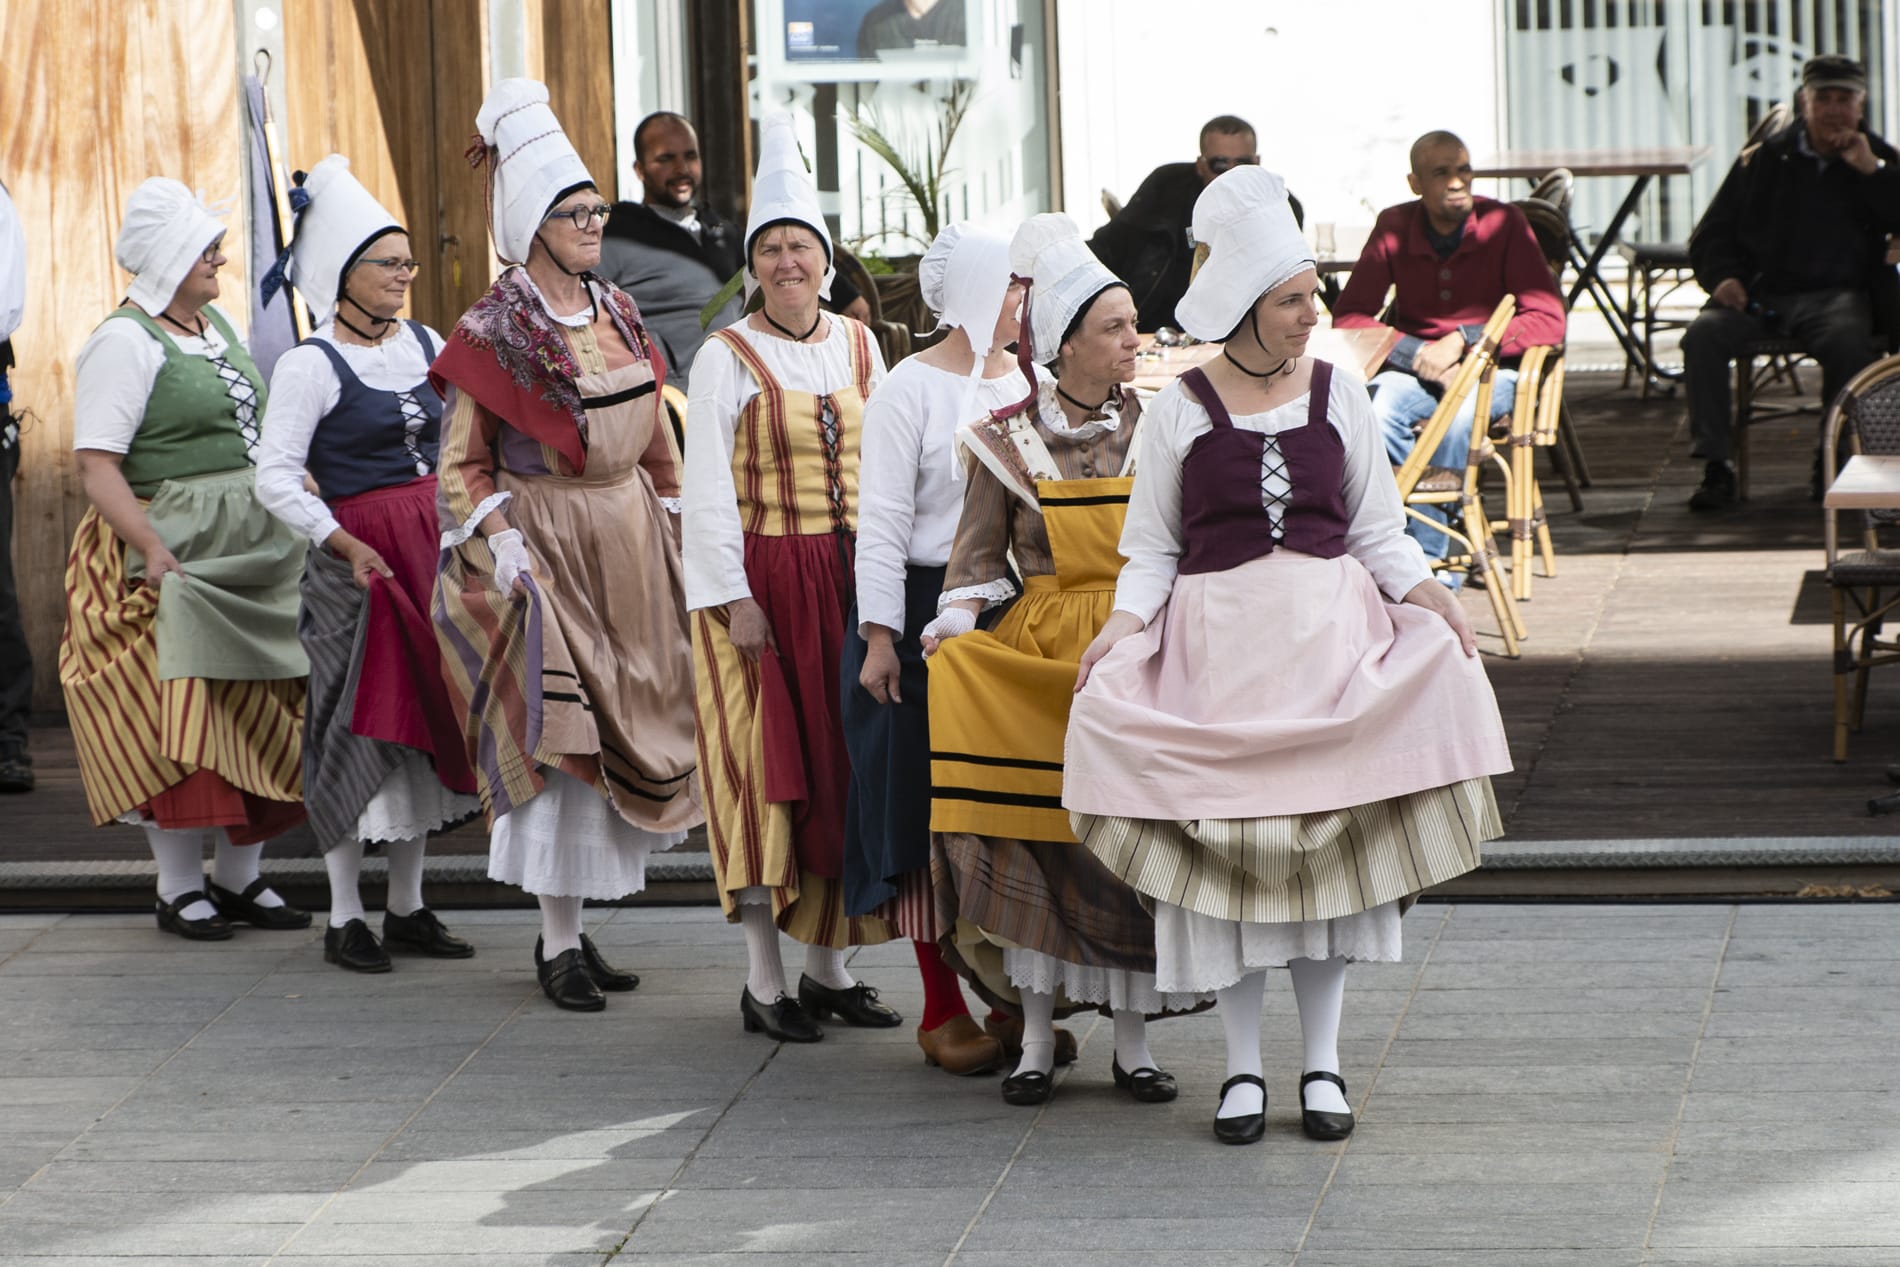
{"points": [[943, 993]]}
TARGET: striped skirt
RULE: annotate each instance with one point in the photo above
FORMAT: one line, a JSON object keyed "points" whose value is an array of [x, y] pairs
{"points": [[376, 693], [1298, 867], [232, 748], [771, 744]]}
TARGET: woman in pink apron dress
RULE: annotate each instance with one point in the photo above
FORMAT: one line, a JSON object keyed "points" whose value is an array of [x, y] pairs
{"points": [[1283, 733]]}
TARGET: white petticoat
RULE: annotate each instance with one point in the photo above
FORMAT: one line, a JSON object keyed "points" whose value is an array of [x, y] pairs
{"points": [[412, 802], [1119, 988], [1195, 952], [566, 841]]}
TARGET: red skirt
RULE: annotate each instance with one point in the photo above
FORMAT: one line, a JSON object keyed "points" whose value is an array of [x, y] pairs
{"points": [[400, 697], [803, 585]]}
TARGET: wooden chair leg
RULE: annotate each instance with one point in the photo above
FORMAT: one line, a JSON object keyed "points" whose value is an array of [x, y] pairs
{"points": [[1484, 562], [1864, 663], [1843, 663], [1541, 524], [1524, 479], [1744, 408]]}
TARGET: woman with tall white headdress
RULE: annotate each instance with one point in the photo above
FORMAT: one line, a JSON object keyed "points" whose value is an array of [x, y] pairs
{"points": [[558, 606], [180, 663], [910, 496], [1282, 733], [1035, 922], [353, 407], [772, 446]]}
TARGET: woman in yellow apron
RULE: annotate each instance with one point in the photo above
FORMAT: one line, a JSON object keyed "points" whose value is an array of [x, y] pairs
{"points": [[769, 530], [1028, 916]]}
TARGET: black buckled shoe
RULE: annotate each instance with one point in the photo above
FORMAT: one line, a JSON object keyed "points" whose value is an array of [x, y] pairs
{"points": [[856, 1005], [1323, 1125], [565, 980], [213, 927], [782, 1019], [1028, 1089], [420, 932], [1247, 1128], [354, 947], [16, 772], [242, 908], [1147, 1084], [605, 975]]}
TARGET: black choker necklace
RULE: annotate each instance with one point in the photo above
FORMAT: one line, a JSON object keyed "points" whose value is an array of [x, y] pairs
{"points": [[1284, 367], [795, 338], [1087, 409], [383, 324], [199, 333]]}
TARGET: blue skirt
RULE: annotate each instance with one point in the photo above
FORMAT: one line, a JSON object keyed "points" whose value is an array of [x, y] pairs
{"points": [[887, 813]]}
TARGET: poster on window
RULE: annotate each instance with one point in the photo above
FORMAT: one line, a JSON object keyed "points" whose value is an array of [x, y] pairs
{"points": [[831, 41]]}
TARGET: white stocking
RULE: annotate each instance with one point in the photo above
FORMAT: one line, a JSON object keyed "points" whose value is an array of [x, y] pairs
{"points": [[180, 855], [405, 875], [765, 971], [1039, 1033], [826, 966], [1131, 1041], [234, 867], [1240, 1005], [1319, 988], [560, 925], [345, 865]]}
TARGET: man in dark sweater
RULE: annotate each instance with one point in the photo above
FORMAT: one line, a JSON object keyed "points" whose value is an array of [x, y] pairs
{"points": [[673, 253], [1794, 244], [1147, 245]]}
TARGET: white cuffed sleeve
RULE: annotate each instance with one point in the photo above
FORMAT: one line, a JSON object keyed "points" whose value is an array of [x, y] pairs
{"points": [[1375, 521], [892, 456], [1151, 536], [303, 389], [712, 540]]}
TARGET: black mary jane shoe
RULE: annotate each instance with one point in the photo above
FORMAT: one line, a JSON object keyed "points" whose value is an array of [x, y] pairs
{"points": [[354, 947], [1028, 1089], [1248, 1128], [1147, 1084], [605, 975], [213, 927], [856, 1005], [243, 908], [421, 933], [1324, 1125], [782, 1018], [565, 980]]}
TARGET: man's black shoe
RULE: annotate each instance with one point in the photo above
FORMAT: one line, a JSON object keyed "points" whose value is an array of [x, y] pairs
{"points": [[1718, 488], [16, 772]]}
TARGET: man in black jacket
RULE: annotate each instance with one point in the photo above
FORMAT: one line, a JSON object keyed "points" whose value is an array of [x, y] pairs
{"points": [[672, 253], [1147, 245], [1794, 245]]}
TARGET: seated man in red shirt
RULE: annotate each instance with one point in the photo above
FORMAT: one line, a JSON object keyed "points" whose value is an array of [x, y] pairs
{"points": [[1451, 256]]}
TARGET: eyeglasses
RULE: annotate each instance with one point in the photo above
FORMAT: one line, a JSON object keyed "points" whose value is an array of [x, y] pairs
{"points": [[583, 216], [391, 263], [212, 252], [1219, 165]]}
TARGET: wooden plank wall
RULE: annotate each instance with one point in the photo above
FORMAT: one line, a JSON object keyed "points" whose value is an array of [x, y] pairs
{"points": [[93, 101]]}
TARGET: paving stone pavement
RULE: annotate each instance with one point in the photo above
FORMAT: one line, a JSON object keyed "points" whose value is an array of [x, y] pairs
{"points": [[1537, 1086]]}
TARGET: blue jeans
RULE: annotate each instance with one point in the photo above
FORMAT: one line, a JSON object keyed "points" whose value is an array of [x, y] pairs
{"points": [[1400, 402]]}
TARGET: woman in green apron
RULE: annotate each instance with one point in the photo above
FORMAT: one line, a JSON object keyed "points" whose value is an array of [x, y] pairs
{"points": [[183, 677]]}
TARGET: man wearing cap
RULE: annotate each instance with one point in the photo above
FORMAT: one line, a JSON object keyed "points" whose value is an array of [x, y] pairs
{"points": [[1148, 241], [1451, 256], [1794, 245]]}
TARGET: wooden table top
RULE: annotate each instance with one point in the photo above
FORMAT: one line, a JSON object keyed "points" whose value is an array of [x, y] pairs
{"points": [[1362, 348], [1867, 482], [1663, 161]]}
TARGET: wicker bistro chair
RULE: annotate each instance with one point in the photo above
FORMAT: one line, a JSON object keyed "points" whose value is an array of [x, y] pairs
{"points": [[1656, 271], [1532, 424], [1421, 484], [893, 337], [1867, 579], [1550, 222]]}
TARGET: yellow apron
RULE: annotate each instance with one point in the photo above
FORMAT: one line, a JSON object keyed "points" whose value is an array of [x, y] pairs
{"points": [[999, 701]]}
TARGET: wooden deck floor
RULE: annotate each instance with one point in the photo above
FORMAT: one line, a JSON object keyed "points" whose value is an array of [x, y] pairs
{"points": [[1675, 683]]}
